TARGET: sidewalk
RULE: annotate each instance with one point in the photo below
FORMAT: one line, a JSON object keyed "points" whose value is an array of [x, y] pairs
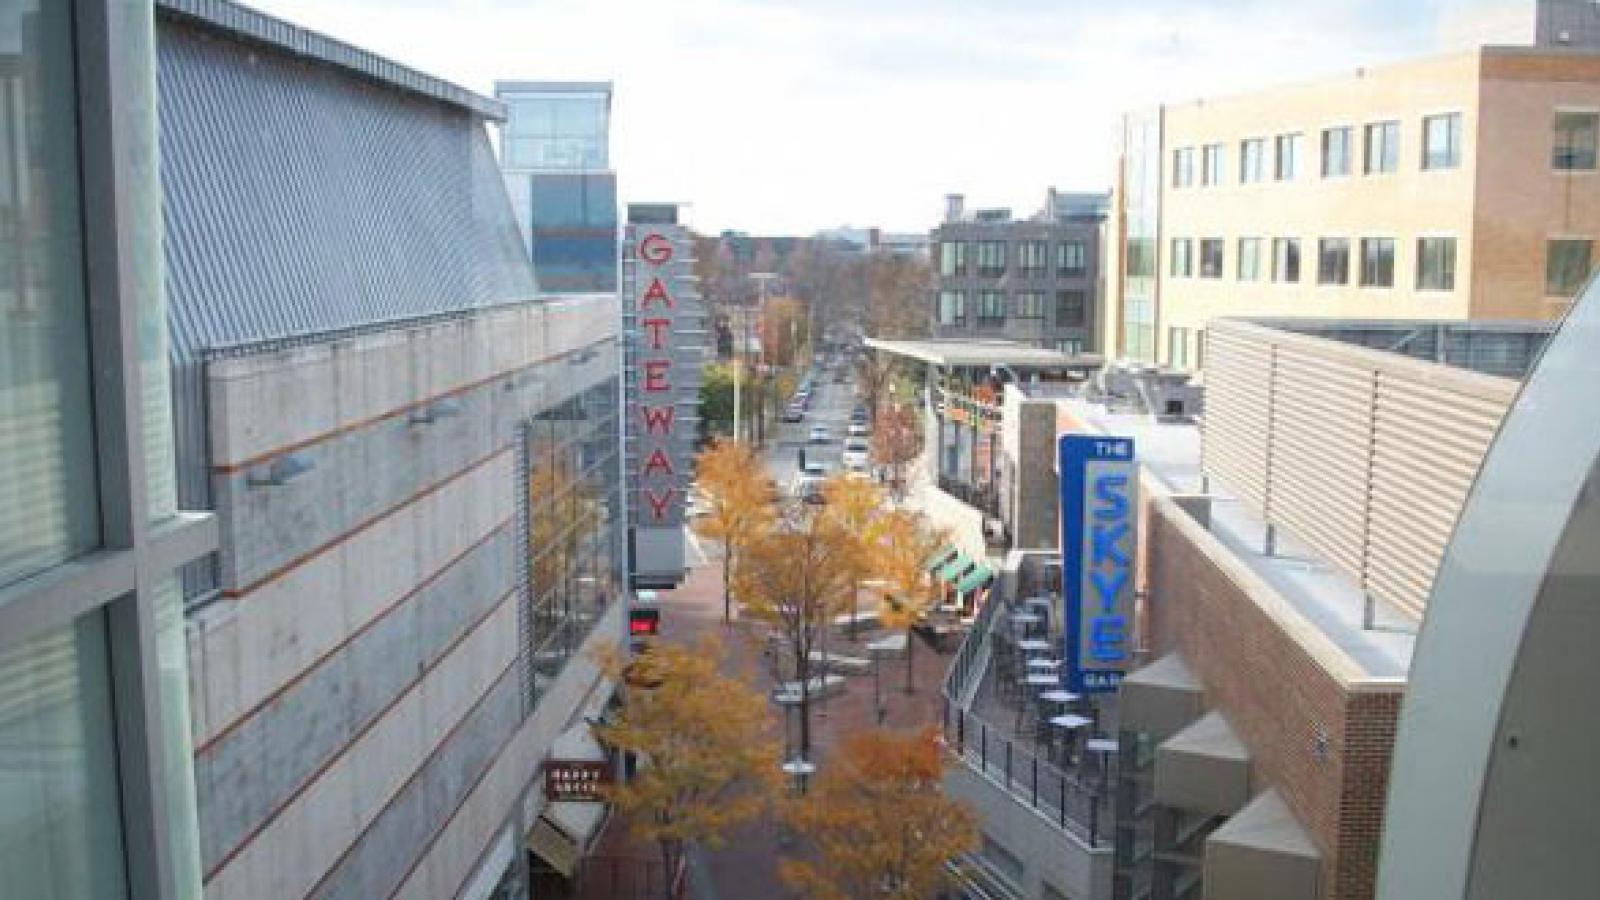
{"points": [[748, 861]]}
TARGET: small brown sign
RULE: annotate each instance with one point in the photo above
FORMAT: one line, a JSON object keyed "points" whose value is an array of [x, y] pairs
{"points": [[575, 779]]}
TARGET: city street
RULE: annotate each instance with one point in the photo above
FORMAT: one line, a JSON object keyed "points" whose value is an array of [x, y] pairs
{"points": [[749, 857]]}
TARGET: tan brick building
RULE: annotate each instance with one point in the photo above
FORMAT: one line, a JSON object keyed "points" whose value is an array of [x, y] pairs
{"points": [[1457, 187]]}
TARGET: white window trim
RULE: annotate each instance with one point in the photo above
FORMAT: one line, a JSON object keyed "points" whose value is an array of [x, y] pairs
{"points": [[1266, 159]]}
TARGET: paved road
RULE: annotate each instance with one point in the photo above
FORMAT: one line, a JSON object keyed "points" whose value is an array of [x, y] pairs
{"points": [[830, 405]]}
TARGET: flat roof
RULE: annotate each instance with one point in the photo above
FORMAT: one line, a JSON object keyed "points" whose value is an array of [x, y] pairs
{"points": [[1504, 348], [1325, 598], [986, 353], [293, 40]]}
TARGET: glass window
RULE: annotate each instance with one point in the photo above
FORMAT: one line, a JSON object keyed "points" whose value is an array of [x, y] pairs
{"points": [[1441, 141], [991, 307], [1182, 264], [991, 258], [1211, 164], [566, 131], [1575, 138], [1377, 262], [1566, 266], [1070, 346], [1211, 258], [1070, 308], [1030, 304], [1252, 160], [952, 307], [1183, 167], [1436, 264], [1333, 261], [1286, 259], [1335, 152], [48, 500], [59, 808], [1287, 167], [1031, 258], [1069, 259], [1383, 147], [1177, 347], [1249, 259], [952, 258]]}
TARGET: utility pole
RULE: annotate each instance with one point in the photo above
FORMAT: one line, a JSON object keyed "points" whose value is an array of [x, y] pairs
{"points": [[761, 279]]}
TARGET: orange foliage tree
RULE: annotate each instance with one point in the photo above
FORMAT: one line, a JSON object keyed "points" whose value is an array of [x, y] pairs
{"points": [[908, 542], [707, 763], [878, 823], [795, 577], [857, 507], [735, 485]]}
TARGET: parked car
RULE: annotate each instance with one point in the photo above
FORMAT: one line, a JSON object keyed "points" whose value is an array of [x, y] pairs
{"points": [[819, 435], [859, 429], [856, 454], [807, 487], [794, 413]]}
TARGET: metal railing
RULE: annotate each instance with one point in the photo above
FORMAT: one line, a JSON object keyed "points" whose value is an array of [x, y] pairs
{"points": [[1075, 805]]}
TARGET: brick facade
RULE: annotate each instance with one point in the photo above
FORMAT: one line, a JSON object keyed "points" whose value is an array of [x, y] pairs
{"points": [[1322, 739]]}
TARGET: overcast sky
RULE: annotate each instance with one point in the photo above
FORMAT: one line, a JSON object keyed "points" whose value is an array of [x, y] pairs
{"points": [[786, 116]]}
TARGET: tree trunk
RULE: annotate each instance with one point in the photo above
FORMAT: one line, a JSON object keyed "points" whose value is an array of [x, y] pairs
{"points": [[802, 668], [855, 600], [668, 869], [911, 645], [727, 582]]}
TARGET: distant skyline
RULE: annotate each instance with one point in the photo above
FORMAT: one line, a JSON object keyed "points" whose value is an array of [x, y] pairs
{"points": [[790, 116]]}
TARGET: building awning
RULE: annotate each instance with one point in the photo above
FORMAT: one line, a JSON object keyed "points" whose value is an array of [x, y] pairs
{"points": [[983, 354], [977, 578], [953, 569], [937, 561], [564, 830]]}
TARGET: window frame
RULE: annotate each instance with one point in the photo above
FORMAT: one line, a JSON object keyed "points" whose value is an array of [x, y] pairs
{"points": [[1322, 147], [1220, 246], [1455, 145], [1183, 166], [1455, 251], [1255, 258], [1387, 154], [1593, 113], [1082, 317], [1287, 243], [1186, 258], [1260, 172], [1365, 279], [1213, 164], [1553, 293], [1294, 140], [1322, 259]]}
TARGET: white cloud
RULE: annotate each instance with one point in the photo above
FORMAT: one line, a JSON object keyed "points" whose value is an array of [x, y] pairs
{"points": [[783, 117]]}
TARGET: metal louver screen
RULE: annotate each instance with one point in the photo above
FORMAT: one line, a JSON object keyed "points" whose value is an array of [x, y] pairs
{"points": [[1365, 456]]}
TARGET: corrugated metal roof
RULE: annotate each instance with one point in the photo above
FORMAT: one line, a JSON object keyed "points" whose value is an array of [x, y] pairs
{"points": [[284, 37], [302, 198]]}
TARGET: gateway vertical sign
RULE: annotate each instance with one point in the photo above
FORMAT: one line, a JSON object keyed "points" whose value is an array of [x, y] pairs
{"points": [[1099, 532], [664, 322]]}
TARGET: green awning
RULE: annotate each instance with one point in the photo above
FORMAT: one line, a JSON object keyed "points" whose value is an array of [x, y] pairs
{"points": [[977, 578], [937, 560], [955, 567]]}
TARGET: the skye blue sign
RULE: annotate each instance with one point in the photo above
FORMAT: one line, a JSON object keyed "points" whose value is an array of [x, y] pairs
{"points": [[1099, 529]]}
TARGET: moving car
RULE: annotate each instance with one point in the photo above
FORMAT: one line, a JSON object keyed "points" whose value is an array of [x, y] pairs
{"points": [[794, 413], [818, 435]]}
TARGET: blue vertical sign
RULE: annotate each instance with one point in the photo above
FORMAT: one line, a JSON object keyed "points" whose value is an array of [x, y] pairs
{"points": [[1099, 531]]}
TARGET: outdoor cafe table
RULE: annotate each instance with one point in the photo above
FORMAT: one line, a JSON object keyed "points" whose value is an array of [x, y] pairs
{"points": [[1040, 662], [1039, 602], [1070, 721], [1042, 679], [1033, 645], [1026, 618], [1059, 696]]}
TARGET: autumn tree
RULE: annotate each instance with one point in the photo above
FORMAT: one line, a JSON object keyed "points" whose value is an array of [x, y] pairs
{"points": [[857, 507], [897, 295], [874, 371], [735, 486], [785, 330], [907, 544], [795, 577], [706, 762], [878, 823], [896, 440]]}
